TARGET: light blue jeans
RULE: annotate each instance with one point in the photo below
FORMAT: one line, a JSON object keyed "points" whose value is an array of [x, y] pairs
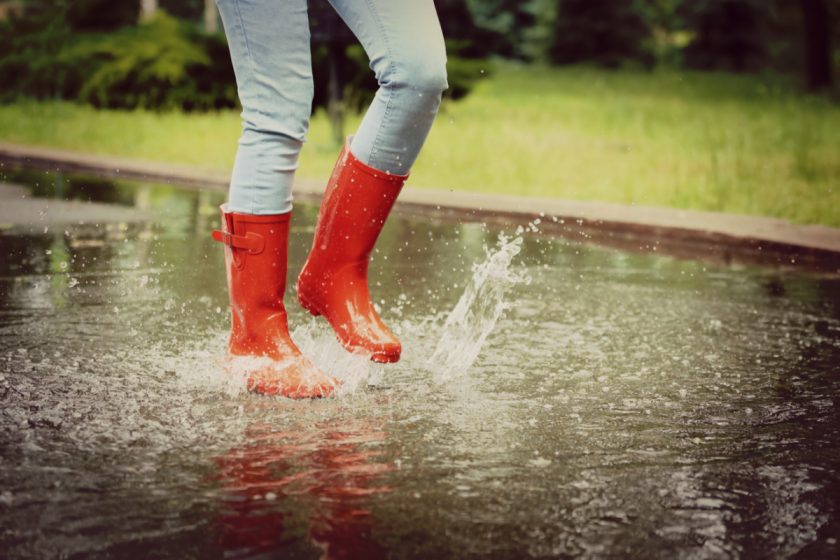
{"points": [[269, 46]]}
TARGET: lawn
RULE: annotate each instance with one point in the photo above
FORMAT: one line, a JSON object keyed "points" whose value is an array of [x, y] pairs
{"points": [[689, 140]]}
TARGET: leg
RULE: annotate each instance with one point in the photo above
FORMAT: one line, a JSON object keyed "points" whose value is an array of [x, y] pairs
{"points": [[405, 45], [403, 40], [269, 46]]}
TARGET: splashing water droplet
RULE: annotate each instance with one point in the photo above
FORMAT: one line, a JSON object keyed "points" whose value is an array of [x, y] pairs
{"points": [[476, 313]]}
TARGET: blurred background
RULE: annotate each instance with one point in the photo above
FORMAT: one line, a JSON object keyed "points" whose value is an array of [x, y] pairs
{"points": [[723, 105]]}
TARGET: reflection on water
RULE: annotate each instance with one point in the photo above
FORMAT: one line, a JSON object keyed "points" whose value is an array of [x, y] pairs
{"points": [[621, 405], [324, 471]]}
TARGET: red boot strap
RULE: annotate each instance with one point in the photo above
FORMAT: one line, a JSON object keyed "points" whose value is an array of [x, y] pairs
{"points": [[252, 242]]}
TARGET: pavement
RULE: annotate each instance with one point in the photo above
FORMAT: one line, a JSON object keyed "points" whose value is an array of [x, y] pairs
{"points": [[710, 236], [22, 213]]}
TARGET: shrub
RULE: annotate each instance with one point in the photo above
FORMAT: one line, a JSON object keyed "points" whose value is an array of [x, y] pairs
{"points": [[728, 34], [163, 63], [606, 32], [160, 64], [28, 63]]}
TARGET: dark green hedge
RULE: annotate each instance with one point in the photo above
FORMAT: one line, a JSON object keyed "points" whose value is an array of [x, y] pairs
{"points": [[159, 64], [164, 63]]}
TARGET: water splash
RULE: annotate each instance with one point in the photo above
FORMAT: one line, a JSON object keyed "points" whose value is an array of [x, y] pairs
{"points": [[476, 313], [204, 365], [354, 371], [462, 337]]}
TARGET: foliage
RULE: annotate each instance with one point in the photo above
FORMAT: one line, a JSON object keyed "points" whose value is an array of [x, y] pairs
{"points": [[474, 41], [670, 35], [509, 19], [537, 38], [28, 65], [728, 34], [161, 63], [731, 35], [93, 50], [92, 15], [516, 29], [185, 9], [71, 53], [155, 65], [463, 73], [606, 32]]}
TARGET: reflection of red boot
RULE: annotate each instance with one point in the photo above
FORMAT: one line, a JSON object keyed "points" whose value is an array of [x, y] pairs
{"points": [[325, 472], [254, 478], [343, 526], [255, 258], [333, 282]]}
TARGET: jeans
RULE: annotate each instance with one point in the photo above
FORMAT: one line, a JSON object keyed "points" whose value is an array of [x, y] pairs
{"points": [[269, 46]]}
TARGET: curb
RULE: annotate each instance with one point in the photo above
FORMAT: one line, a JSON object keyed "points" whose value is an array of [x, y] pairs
{"points": [[708, 236]]}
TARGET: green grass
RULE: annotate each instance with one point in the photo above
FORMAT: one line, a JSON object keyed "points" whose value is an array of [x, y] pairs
{"points": [[688, 140]]}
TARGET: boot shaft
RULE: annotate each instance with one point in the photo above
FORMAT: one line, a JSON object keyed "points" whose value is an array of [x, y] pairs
{"points": [[255, 261], [356, 203], [333, 281]]}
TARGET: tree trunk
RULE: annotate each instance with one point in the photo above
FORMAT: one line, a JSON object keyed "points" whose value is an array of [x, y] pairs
{"points": [[211, 17], [817, 31], [147, 9]]}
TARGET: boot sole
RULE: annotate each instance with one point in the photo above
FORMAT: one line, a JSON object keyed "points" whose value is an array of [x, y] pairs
{"points": [[378, 357]]}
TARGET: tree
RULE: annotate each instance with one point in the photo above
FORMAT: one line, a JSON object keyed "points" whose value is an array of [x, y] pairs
{"points": [[510, 20], [602, 31], [463, 36], [92, 15], [148, 9], [728, 34], [818, 53], [211, 17]]}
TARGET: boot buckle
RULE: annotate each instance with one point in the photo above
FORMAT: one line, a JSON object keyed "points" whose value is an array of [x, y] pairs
{"points": [[251, 242]]}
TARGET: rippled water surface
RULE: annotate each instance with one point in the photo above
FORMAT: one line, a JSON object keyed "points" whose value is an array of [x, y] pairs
{"points": [[578, 401]]}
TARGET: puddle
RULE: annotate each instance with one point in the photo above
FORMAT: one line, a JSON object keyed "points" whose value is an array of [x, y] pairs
{"points": [[553, 399]]}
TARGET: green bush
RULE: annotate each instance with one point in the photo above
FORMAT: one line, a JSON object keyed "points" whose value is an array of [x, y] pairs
{"points": [[164, 63], [462, 72], [28, 63], [159, 64], [728, 35], [609, 33]]}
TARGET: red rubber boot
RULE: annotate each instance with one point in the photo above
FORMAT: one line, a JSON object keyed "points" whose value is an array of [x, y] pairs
{"points": [[333, 282], [255, 259]]}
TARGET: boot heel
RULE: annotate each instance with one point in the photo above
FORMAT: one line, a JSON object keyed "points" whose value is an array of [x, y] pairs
{"points": [[308, 306]]}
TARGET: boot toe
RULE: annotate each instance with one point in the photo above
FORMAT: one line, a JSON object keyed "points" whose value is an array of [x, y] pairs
{"points": [[381, 351], [385, 357], [387, 353], [300, 380]]}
